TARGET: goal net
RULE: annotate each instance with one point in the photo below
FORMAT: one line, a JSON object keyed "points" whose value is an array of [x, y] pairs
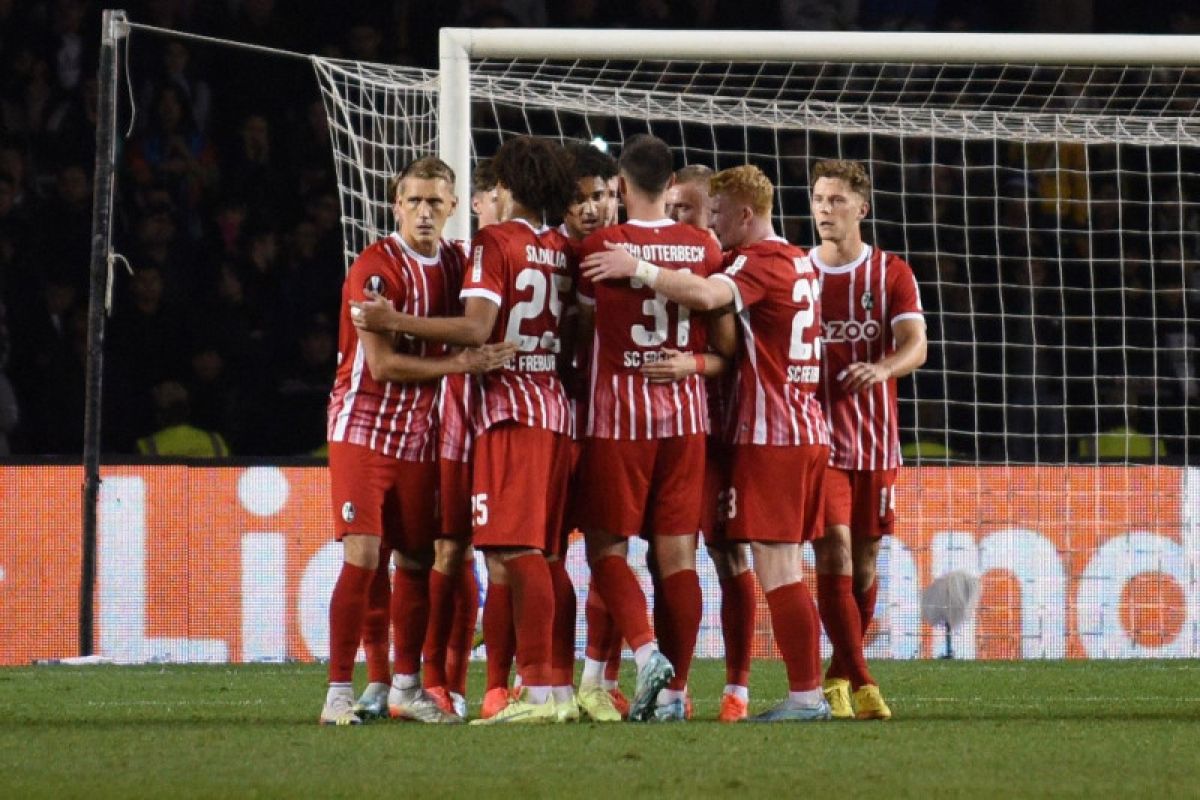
{"points": [[1050, 213]]}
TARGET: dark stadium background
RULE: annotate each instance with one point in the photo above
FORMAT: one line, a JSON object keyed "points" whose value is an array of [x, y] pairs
{"points": [[226, 199]]}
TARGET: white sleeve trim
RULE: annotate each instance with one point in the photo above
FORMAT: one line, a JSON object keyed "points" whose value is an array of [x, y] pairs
{"points": [[486, 294], [908, 315], [585, 300], [737, 293]]}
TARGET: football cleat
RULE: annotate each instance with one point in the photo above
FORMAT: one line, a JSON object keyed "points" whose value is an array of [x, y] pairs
{"points": [[442, 698], [418, 705], [837, 694], [620, 701], [787, 711], [671, 711], [568, 710], [598, 703], [460, 704], [494, 701], [372, 703], [652, 678], [339, 710], [869, 703], [520, 712], [733, 708]]}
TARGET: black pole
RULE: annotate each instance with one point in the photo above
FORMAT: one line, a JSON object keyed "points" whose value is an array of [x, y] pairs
{"points": [[113, 29]]}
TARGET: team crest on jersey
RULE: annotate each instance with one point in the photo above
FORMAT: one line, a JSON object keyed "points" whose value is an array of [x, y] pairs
{"points": [[376, 285], [868, 302], [348, 511]]}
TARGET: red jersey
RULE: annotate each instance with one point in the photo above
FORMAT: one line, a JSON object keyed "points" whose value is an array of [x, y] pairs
{"points": [[456, 406], [633, 324], [860, 302], [530, 274], [777, 298], [395, 419]]}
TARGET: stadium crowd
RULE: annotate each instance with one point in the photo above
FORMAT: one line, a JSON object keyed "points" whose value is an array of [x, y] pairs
{"points": [[228, 212]]}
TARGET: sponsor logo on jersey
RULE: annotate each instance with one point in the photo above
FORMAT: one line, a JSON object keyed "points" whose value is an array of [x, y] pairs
{"points": [[348, 512], [375, 285], [838, 330]]}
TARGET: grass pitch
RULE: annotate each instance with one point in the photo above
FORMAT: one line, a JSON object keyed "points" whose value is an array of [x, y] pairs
{"points": [[978, 729]]}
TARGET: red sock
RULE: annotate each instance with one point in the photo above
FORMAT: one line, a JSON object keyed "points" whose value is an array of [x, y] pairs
{"points": [[866, 606], [839, 614], [612, 666], [797, 631], [624, 599], [562, 657], [498, 634], [410, 616], [660, 615], [375, 636], [441, 620], [683, 606], [737, 626], [346, 609], [600, 625], [462, 633], [533, 616]]}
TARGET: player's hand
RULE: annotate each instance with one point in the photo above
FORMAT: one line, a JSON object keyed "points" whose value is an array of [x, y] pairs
{"points": [[675, 367], [613, 263], [862, 375], [375, 314], [489, 357]]}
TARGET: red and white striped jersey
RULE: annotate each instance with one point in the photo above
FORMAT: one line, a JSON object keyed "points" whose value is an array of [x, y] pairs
{"points": [[456, 410], [777, 299], [395, 419], [633, 325], [530, 274], [860, 302]]}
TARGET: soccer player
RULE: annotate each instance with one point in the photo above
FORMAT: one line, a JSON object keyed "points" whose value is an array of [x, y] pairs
{"points": [[687, 199], [382, 450], [688, 202], [873, 330], [780, 442], [483, 194], [591, 169], [645, 435], [520, 277]]}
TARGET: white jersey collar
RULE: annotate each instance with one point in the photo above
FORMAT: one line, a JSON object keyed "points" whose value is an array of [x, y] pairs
{"points": [[853, 265], [420, 258]]}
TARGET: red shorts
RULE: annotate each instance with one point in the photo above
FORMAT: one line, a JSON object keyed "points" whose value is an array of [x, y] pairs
{"points": [[775, 493], [571, 506], [519, 486], [379, 495], [716, 485], [652, 486], [864, 500], [454, 498]]}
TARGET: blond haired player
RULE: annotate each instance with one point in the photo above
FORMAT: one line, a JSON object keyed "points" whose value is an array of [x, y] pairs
{"points": [[383, 446], [778, 434], [873, 330]]}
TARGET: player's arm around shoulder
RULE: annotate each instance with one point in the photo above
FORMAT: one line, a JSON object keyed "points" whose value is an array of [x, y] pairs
{"points": [[388, 365], [692, 291]]}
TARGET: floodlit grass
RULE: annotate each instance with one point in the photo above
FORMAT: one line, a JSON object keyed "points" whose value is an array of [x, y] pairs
{"points": [[977, 729]]}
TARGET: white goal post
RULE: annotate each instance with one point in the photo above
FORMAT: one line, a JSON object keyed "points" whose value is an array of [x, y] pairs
{"points": [[457, 46]]}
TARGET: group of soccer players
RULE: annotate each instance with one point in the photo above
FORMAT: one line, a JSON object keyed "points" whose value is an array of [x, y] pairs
{"points": [[685, 373]]}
